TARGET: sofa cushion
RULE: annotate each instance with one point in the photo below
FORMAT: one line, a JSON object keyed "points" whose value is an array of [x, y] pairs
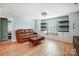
{"points": [[31, 30], [31, 33], [27, 33]]}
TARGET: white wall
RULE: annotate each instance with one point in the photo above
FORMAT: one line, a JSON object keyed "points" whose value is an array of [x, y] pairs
{"points": [[52, 27], [23, 23], [74, 24]]}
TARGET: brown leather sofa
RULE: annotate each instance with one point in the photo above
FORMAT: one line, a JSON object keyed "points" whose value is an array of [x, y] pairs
{"points": [[23, 35]]}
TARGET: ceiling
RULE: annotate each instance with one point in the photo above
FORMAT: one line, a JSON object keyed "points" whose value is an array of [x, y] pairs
{"points": [[34, 10]]}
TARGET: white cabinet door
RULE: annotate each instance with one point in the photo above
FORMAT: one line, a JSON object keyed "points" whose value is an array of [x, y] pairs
{"points": [[63, 36]]}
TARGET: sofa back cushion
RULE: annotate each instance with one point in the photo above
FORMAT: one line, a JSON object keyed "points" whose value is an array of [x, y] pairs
{"points": [[31, 30], [26, 30], [20, 31]]}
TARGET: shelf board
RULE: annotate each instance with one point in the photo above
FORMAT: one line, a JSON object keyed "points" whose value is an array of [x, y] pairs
{"points": [[43, 30], [43, 27], [64, 21], [63, 31], [43, 23], [64, 26]]}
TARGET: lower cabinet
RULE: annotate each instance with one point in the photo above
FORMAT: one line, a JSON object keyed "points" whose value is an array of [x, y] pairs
{"points": [[64, 36]]}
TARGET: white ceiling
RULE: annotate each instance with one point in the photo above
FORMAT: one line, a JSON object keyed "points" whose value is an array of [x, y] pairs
{"points": [[34, 10]]}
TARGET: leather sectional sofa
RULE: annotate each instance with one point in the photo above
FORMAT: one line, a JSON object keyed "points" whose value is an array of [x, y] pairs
{"points": [[23, 35]]}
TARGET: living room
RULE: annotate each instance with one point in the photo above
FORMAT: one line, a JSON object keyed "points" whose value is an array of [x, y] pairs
{"points": [[53, 25]]}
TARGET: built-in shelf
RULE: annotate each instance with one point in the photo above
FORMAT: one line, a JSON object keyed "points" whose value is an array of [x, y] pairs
{"points": [[63, 26], [9, 35], [43, 25]]}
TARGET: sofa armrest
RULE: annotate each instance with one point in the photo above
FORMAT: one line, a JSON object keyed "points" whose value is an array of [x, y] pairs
{"points": [[35, 33]]}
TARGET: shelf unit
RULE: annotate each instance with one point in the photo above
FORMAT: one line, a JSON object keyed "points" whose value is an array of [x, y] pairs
{"points": [[9, 35], [43, 25], [63, 26]]}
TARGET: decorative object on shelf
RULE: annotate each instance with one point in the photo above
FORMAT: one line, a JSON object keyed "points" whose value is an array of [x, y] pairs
{"points": [[44, 14]]}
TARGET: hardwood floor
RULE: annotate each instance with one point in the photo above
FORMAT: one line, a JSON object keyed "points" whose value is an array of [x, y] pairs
{"points": [[47, 48]]}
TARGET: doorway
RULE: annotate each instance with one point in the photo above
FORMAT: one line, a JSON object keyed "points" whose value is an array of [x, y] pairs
{"points": [[10, 28]]}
